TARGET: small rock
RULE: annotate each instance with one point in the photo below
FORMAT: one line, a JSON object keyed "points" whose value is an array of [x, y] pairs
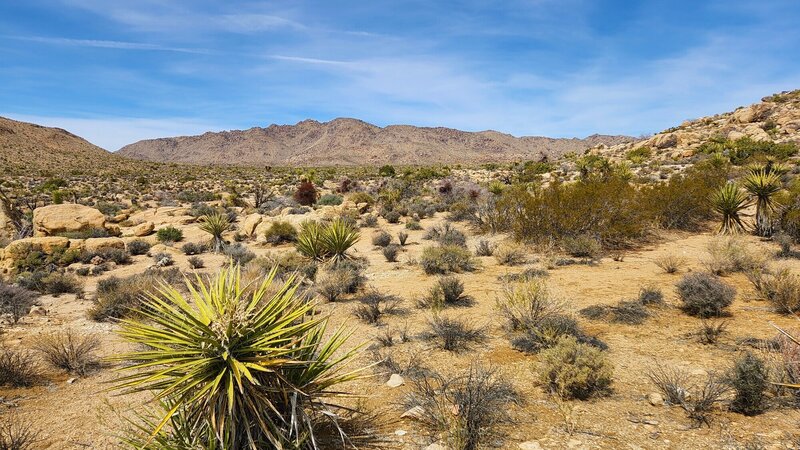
{"points": [[413, 413], [530, 445], [655, 399], [395, 381], [72, 380], [435, 446], [400, 432], [38, 311]]}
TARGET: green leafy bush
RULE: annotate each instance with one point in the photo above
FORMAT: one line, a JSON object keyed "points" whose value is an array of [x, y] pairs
{"points": [[571, 369], [749, 380], [330, 200], [169, 234], [280, 232], [445, 259]]}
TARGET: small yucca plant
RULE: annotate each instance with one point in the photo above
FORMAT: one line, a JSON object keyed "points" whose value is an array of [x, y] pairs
{"points": [[216, 224], [235, 366], [337, 239], [763, 184], [309, 241], [729, 201]]}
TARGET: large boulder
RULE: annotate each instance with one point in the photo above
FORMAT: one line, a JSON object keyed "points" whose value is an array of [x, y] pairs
{"points": [[144, 229], [17, 249], [64, 218], [250, 223], [665, 140], [93, 245], [749, 114]]}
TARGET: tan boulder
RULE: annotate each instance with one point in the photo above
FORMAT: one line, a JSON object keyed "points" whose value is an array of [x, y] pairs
{"points": [[735, 134], [92, 245], [250, 223], [752, 113], [144, 229], [119, 218], [686, 138], [665, 140], [18, 248], [756, 133], [67, 217]]}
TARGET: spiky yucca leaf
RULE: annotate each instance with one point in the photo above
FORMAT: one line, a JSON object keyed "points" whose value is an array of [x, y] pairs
{"points": [[216, 224], [250, 368], [763, 184], [337, 238], [309, 242], [729, 201]]}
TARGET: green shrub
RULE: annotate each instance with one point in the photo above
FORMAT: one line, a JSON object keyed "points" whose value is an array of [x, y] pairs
{"points": [[280, 232], [138, 247], [387, 171], [169, 234], [745, 149], [749, 380], [582, 247], [361, 197], [446, 259], [85, 234], [571, 369], [381, 239], [330, 200], [705, 295], [192, 248], [639, 155]]}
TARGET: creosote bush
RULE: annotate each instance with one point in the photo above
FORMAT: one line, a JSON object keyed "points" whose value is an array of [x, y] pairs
{"points": [[280, 232], [169, 234], [705, 295], [571, 369], [138, 247], [70, 351]]}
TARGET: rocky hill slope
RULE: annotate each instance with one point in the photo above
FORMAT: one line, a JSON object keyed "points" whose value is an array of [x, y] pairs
{"points": [[354, 142], [776, 119], [30, 147]]}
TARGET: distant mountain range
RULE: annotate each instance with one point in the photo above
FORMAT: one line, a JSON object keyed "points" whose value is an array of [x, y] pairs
{"points": [[351, 142]]}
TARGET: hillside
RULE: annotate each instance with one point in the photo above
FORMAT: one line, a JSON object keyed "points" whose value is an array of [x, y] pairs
{"points": [[354, 142], [27, 147], [775, 119]]}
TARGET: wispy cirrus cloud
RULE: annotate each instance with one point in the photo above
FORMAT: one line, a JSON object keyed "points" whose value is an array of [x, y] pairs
{"points": [[99, 43]]}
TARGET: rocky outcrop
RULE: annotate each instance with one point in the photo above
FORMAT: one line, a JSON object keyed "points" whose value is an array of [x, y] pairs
{"points": [[65, 218]]}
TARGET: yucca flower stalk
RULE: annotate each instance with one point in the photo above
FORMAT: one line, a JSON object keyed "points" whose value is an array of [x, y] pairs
{"points": [[216, 224], [240, 366], [729, 201], [763, 184]]}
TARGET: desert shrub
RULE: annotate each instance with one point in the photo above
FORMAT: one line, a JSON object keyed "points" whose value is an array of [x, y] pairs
{"points": [[115, 255], [682, 203], [448, 291], [201, 209], [386, 171], [749, 380], [413, 225], [671, 382], [138, 247], [16, 301], [650, 295], [163, 260], [745, 149], [670, 262], [711, 330], [571, 369], [528, 274], [280, 232], [17, 435], [402, 237], [639, 155], [117, 298], [238, 253], [381, 239], [446, 259], [216, 225], [18, 368], [338, 281], [85, 234], [32, 258], [781, 288], [699, 405], [463, 410], [272, 330], [705, 295], [785, 242], [70, 351], [510, 255], [392, 216], [369, 221], [446, 234], [285, 264], [582, 247], [169, 234], [57, 283], [192, 248], [306, 193], [628, 312], [410, 365], [609, 210], [729, 255], [373, 305], [524, 305], [484, 248], [390, 252], [361, 197], [195, 262], [330, 200], [452, 334]]}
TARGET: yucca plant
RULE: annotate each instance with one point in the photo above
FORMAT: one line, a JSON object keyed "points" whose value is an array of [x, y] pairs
{"points": [[763, 184], [216, 224], [238, 367], [729, 201], [309, 241], [337, 238]]}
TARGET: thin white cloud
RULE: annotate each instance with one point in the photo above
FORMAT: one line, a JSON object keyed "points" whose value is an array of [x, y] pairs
{"points": [[97, 43], [302, 59]]}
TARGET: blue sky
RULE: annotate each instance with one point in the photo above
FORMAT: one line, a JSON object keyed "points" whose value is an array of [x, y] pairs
{"points": [[115, 71]]}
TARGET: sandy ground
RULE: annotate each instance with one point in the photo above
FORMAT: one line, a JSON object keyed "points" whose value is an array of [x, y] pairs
{"points": [[85, 414]]}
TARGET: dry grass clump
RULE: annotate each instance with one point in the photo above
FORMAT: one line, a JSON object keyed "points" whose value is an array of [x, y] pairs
{"points": [[463, 410], [18, 368], [70, 351], [373, 305], [780, 287], [582, 247], [484, 248], [510, 255], [705, 295], [17, 435], [446, 259], [571, 369], [447, 235], [730, 254], [453, 334], [699, 403], [711, 330], [390, 252], [448, 291], [631, 312], [671, 263], [16, 301]]}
